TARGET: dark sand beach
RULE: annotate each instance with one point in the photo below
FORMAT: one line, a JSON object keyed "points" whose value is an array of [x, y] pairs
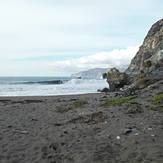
{"points": [[82, 128]]}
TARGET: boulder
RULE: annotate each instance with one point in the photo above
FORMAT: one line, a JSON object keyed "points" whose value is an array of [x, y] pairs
{"points": [[116, 79]]}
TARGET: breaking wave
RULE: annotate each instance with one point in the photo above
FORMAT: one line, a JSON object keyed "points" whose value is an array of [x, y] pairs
{"points": [[50, 87]]}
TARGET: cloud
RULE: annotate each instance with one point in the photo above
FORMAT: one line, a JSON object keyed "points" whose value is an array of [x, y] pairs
{"points": [[119, 58], [37, 37], [78, 24]]}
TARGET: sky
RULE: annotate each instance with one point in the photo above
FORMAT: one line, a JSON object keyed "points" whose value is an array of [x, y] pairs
{"points": [[61, 37]]}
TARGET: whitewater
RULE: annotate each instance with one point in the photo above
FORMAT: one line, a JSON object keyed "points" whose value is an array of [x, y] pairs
{"points": [[48, 86]]}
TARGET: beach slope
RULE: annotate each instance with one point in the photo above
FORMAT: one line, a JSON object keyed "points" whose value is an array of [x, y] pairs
{"points": [[92, 128]]}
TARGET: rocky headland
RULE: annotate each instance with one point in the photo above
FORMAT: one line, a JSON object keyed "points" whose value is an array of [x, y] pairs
{"points": [[146, 67]]}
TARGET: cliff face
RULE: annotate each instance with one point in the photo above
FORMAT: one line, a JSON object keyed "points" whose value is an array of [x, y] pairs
{"points": [[150, 55], [146, 67]]}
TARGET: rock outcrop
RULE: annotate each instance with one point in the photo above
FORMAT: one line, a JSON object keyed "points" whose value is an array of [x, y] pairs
{"points": [[116, 79], [150, 55], [147, 65]]}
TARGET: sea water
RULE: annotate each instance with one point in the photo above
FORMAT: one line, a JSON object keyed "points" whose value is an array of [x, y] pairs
{"points": [[47, 86]]}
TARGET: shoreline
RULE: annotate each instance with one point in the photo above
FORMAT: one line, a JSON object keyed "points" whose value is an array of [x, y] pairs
{"points": [[52, 95], [81, 128], [74, 86]]}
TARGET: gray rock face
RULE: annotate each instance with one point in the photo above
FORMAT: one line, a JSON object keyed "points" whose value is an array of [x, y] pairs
{"points": [[146, 67], [150, 55], [116, 79]]}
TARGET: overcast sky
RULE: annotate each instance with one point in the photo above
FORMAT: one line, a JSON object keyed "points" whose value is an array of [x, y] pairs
{"points": [[60, 37]]}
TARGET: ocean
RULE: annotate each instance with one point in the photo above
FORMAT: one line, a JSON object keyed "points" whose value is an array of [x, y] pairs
{"points": [[48, 86]]}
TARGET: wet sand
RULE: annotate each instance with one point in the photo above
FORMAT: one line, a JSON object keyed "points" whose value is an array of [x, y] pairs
{"points": [[80, 129]]}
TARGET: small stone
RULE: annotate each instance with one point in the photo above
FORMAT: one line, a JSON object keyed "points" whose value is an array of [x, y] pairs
{"points": [[113, 116], [136, 134], [33, 119], [153, 135], [118, 137], [82, 113], [149, 128], [65, 132], [128, 131], [24, 132], [57, 124], [63, 143]]}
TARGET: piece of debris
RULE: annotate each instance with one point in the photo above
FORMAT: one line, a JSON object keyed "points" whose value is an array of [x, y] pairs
{"points": [[118, 137], [21, 132]]}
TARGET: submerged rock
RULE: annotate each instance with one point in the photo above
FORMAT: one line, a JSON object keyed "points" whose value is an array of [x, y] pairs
{"points": [[104, 90]]}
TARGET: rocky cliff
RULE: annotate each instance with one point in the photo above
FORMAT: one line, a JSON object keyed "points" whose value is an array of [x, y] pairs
{"points": [[147, 65], [150, 55]]}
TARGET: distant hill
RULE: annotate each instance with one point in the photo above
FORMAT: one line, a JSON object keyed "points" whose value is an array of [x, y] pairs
{"points": [[95, 73]]}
